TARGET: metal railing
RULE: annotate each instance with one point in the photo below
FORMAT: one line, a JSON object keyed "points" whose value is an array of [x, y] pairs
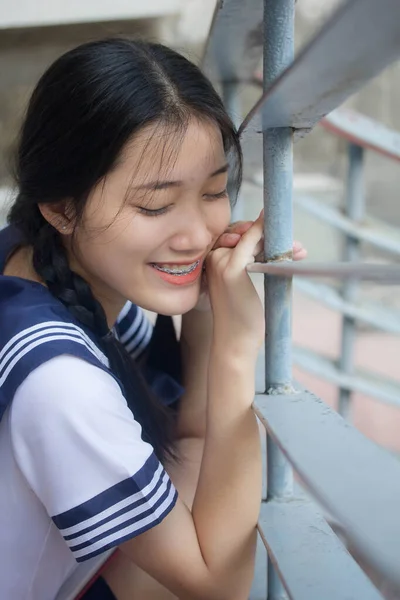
{"points": [[362, 134], [356, 481]]}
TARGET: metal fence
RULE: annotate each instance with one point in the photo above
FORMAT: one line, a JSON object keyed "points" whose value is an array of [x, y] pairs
{"points": [[356, 481], [362, 134]]}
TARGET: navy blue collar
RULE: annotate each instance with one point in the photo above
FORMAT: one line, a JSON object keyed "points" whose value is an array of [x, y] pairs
{"points": [[10, 238]]}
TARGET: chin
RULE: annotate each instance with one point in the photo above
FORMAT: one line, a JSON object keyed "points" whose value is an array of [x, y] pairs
{"points": [[173, 304]]}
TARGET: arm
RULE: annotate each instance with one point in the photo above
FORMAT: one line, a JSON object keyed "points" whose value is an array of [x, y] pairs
{"points": [[196, 338], [208, 554]]}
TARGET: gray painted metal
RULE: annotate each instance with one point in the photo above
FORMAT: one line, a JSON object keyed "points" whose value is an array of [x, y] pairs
{"points": [[333, 66], [358, 482], [363, 131], [386, 390], [234, 47], [384, 274], [371, 231], [380, 317], [312, 563], [278, 174], [278, 218], [355, 209]]}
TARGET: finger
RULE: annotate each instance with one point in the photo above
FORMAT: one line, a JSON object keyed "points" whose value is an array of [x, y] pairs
{"points": [[239, 227], [297, 246], [300, 254], [246, 249], [259, 250], [227, 240]]}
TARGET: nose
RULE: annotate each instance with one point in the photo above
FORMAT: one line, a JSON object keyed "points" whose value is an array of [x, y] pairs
{"points": [[193, 233]]}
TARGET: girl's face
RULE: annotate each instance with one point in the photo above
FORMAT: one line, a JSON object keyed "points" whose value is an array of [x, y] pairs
{"points": [[148, 227]]}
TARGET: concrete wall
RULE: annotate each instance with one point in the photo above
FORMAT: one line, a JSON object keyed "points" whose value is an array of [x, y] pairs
{"points": [[26, 53], [20, 13]]}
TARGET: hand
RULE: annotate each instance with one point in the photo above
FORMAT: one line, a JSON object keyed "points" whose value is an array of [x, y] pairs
{"points": [[237, 308], [233, 233], [230, 239]]}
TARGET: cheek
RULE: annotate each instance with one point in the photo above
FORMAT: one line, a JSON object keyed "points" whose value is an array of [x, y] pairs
{"points": [[109, 251], [219, 217]]}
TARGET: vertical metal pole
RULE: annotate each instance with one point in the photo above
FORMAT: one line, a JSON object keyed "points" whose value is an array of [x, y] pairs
{"points": [[230, 93], [278, 175], [355, 209]]}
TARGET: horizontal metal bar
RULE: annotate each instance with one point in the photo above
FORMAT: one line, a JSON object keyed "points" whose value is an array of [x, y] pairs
{"points": [[352, 477], [310, 559], [384, 274], [378, 316], [372, 231], [234, 47], [374, 385], [357, 42], [363, 131]]}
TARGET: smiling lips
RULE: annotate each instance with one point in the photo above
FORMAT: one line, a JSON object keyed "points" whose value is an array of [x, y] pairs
{"points": [[178, 274]]}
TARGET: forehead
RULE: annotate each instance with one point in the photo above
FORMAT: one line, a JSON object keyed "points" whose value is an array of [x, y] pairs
{"points": [[176, 153]]}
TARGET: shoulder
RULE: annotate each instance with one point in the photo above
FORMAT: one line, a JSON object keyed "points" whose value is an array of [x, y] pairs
{"points": [[35, 327], [67, 388]]}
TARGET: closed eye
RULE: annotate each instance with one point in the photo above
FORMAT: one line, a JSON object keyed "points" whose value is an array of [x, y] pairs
{"points": [[153, 212], [222, 194], [160, 211]]}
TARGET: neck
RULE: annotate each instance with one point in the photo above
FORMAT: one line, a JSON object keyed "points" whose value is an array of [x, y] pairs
{"points": [[19, 264], [111, 302]]}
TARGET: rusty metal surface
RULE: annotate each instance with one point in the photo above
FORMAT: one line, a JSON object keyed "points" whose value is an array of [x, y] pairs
{"points": [[335, 64], [384, 274], [354, 479], [363, 131], [234, 47]]}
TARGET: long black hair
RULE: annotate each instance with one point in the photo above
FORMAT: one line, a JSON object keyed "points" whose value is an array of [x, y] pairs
{"points": [[85, 108]]}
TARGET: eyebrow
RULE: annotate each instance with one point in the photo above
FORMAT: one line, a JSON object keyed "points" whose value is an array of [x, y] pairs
{"points": [[162, 185]]}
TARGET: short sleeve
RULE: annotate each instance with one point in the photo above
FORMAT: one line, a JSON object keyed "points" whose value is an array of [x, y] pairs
{"points": [[81, 451]]}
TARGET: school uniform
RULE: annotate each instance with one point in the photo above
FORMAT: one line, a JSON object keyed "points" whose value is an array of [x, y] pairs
{"points": [[76, 477]]}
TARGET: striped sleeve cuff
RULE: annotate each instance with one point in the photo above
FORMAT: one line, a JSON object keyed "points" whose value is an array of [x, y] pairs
{"points": [[118, 514], [134, 330]]}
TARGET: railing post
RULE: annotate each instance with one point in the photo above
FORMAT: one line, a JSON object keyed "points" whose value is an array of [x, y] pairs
{"points": [[278, 175], [355, 209], [230, 94]]}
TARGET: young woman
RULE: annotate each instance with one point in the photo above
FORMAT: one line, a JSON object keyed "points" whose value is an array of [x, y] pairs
{"points": [[122, 170]]}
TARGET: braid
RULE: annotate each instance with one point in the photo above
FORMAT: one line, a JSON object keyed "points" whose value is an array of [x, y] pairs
{"points": [[51, 263]]}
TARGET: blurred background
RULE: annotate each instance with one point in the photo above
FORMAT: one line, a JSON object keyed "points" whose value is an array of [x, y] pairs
{"points": [[34, 32]]}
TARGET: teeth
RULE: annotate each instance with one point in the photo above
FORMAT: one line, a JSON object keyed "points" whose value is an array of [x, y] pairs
{"points": [[177, 269]]}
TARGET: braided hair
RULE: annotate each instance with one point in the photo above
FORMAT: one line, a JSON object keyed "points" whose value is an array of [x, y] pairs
{"points": [[50, 261], [85, 108]]}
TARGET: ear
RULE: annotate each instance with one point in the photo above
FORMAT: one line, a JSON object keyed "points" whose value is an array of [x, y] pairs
{"points": [[60, 215]]}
